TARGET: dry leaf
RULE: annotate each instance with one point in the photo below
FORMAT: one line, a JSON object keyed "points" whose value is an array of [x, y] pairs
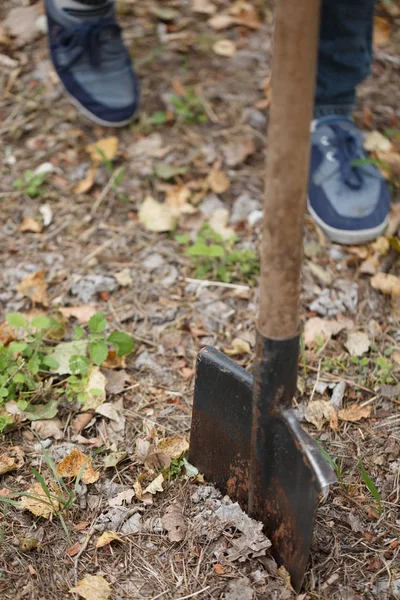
{"points": [[245, 14], [174, 446], [219, 221], [21, 24], [124, 278], [122, 497], [381, 245], [238, 150], [155, 486], [382, 32], [317, 330], [74, 550], [391, 159], [116, 380], [30, 225], [224, 48], [104, 149], [48, 428], [174, 523], [106, 538], [81, 421], [72, 465], [86, 184], [156, 216], [357, 343], [92, 587], [218, 181], [95, 388], [219, 569], [238, 347], [6, 334], [82, 314], [374, 140], [221, 21], [354, 413], [12, 460], [34, 287], [386, 283], [319, 412], [38, 503], [204, 6]]}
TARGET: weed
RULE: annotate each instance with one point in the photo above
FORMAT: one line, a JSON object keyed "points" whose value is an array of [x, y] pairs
{"points": [[334, 463], [371, 486], [117, 175], [31, 183], [175, 469], [214, 257], [189, 107], [383, 371]]}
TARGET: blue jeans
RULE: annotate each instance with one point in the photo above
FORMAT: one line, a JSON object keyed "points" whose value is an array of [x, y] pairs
{"points": [[345, 54]]}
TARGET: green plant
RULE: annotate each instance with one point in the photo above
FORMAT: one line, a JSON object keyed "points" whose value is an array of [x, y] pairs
{"points": [[189, 107], [117, 175], [334, 463], [214, 257], [383, 371], [30, 183], [175, 469], [371, 486]]}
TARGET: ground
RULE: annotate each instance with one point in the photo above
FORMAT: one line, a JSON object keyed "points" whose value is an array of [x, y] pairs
{"points": [[120, 232]]}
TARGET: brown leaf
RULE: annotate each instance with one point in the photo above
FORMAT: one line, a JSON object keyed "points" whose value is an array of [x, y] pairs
{"points": [[319, 412], [386, 283], [317, 330], [218, 181], [219, 569], [86, 184], [354, 413], [6, 334], [174, 523], [245, 14], [38, 503], [82, 314], [92, 587], [30, 225], [106, 538], [72, 465], [174, 446], [382, 32], [238, 347], [105, 148], [11, 460], [48, 428], [74, 550], [238, 150], [222, 21], [27, 544], [82, 526], [80, 421], [21, 24], [34, 287]]}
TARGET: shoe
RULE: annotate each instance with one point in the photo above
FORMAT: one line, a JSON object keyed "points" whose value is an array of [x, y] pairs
{"points": [[347, 195], [92, 62]]}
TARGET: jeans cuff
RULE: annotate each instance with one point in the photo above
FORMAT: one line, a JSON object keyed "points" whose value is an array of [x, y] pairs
{"points": [[326, 110]]}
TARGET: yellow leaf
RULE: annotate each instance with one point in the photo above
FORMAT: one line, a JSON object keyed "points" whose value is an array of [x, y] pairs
{"points": [[12, 460], [354, 413], [38, 503], [156, 216], [382, 32], [374, 141], [92, 587], [35, 287], [245, 14], [218, 181], [224, 48], [222, 21], [106, 538], [72, 465], [86, 184], [174, 446], [30, 225], [386, 283], [238, 347], [104, 149]]}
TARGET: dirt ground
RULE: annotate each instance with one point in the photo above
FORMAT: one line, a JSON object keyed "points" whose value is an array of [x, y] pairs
{"points": [[196, 148]]}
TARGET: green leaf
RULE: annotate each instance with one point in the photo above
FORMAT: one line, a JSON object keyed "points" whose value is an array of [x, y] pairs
{"points": [[114, 458], [124, 343], [98, 352], [79, 332], [3, 392], [119, 177], [371, 486], [166, 171], [19, 378], [36, 412], [97, 323], [49, 361], [78, 363], [182, 238], [34, 364], [64, 351], [16, 320], [22, 404], [158, 118], [41, 322], [17, 347]]}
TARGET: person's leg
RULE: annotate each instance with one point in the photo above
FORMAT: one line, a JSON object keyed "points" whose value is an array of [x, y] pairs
{"points": [[91, 60], [348, 197]]}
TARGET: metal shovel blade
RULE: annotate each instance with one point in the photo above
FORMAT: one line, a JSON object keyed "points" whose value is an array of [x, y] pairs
{"points": [[291, 471]]}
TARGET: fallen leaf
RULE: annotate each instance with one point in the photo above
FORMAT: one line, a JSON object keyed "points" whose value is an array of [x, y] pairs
{"points": [[222, 21], [48, 428], [245, 14], [238, 150], [11, 460], [319, 412], [38, 412], [81, 421], [113, 361], [72, 465], [106, 538], [34, 287], [317, 330], [166, 171], [113, 459], [382, 32], [37, 502], [190, 470], [219, 221], [21, 24], [124, 277], [386, 283], [30, 225], [110, 411], [116, 380], [219, 569], [218, 181], [381, 245], [174, 522], [63, 353], [122, 497], [6, 334], [354, 413], [92, 587], [74, 550], [95, 388], [357, 343], [204, 6], [390, 159], [238, 347], [374, 140], [104, 149], [224, 48], [174, 446], [86, 184], [155, 486], [82, 314], [27, 544], [155, 216]]}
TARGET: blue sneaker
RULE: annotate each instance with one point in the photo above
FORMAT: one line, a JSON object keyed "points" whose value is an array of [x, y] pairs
{"points": [[349, 202], [92, 62]]}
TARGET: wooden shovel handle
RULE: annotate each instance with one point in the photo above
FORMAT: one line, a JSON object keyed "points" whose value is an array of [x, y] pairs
{"points": [[293, 86]]}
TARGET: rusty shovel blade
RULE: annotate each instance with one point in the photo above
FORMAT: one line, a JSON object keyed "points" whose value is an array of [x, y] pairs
{"points": [[290, 471]]}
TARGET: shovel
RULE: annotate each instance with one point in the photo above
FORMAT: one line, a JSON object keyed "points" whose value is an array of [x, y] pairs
{"points": [[245, 437]]}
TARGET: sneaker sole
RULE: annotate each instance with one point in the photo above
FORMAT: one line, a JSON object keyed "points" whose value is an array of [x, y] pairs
{"points": [[84, 111], [348, 238]]}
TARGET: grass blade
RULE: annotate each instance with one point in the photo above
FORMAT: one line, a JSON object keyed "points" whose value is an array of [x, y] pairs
{"points": [[371, 486]]}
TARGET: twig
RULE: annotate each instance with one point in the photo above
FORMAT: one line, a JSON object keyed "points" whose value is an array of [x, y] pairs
{"points": [[207, 283], [105, 191], [194, 594], [159, 595]]}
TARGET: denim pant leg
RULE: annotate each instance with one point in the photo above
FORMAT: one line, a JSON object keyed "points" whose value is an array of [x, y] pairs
{"points": [[345, 53]]}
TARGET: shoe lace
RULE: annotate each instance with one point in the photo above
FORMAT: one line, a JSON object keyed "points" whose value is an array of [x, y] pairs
{"points": [[347, 154], [84, 39]]}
